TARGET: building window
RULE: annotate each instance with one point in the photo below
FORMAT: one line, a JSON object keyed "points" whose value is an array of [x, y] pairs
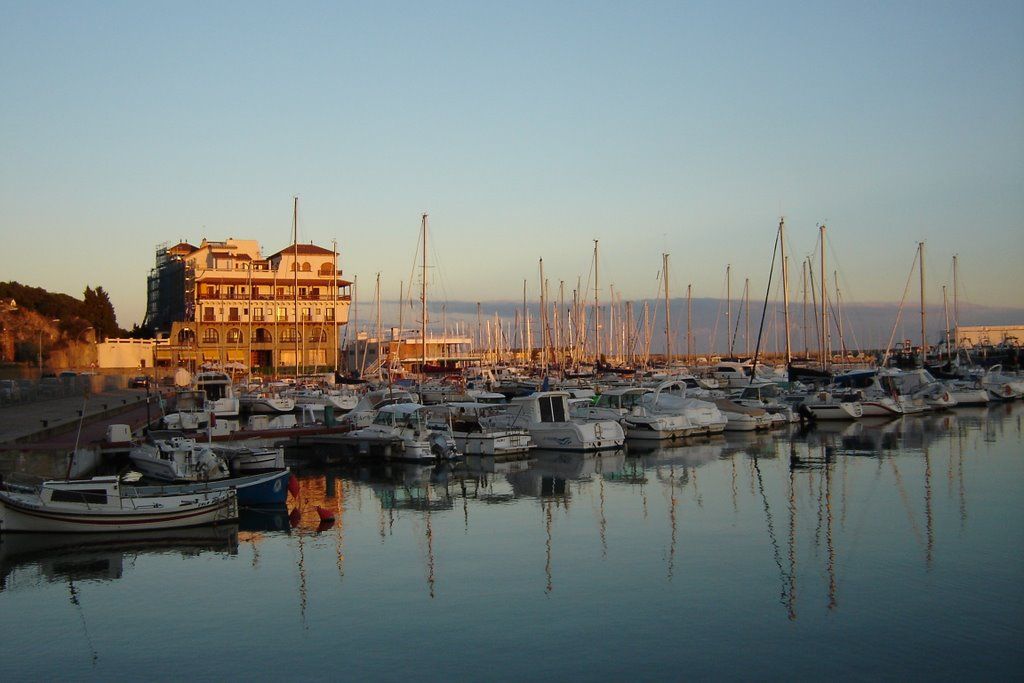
{"points": [[307, 315], [280, 292], [233, 314], [261, 335], [315, 292], [282, 314], [329, 315], [234, 336], [306, 268], [289, 334], [186, 336], [318, 336], [325, 269], [257, 315], [208, 313], [210, 336]]}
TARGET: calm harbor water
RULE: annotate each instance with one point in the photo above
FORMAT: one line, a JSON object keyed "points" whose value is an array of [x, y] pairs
{"points": [[858, 550]]}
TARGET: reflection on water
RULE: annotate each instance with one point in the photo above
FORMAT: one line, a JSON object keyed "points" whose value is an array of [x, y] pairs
{"points": [[828, 528]]}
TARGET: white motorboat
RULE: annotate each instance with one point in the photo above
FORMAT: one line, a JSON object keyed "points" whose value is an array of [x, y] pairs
{"points": [[365, 410], [824, 406], [741, 418], [623, 405], [178, 459], [98, 505], [220, 397], [920, 384], [473, 437], [409, 426], [545, 414], [265, 403], [1001, 387], [672, 398], [967, 393], [770, 398], [341, 402], [243, 459], [877, 393]]}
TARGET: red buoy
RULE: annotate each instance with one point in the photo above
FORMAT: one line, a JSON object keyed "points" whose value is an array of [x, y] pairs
{"points": [[293, 486]]}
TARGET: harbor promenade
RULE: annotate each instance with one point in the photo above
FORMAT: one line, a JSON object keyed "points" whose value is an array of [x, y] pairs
{"points": [[36, 437]]}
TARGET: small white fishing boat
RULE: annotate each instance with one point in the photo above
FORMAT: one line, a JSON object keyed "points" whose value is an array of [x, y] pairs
{"points": [[98, 505]]}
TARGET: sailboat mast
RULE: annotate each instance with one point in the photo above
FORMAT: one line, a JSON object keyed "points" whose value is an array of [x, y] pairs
{"points": [[423, 302], [956, 309], [396, 360], [824, 306], [559, 342], [746, 316], [543, 321], [597, 311], [803, 313], [668, 313], [295, 272], [337, 327], [785, 288], [839, 314], [689, 322], [945, 312], [924, 338], [728, 307], [380, 352]]}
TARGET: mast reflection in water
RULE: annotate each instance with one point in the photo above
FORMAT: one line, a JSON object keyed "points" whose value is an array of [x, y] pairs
{"points": [[846, 549]]}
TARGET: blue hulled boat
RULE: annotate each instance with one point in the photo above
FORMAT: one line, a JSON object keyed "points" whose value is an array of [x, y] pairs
{"points": [[267, 488]]}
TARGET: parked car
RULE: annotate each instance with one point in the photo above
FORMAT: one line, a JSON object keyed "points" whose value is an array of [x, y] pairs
{"points": [[139, 382]]}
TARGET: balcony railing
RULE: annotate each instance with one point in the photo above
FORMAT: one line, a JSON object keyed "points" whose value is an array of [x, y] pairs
{"points": [[208, 296]]}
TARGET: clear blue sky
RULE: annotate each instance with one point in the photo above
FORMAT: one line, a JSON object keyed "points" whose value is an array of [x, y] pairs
{"points": [[525, 130]]}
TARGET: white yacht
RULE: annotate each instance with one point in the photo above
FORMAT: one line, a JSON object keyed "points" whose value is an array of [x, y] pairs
{"points": [[178, 459], [545, 414], [623, 405], [770, 398], [365, 410], [409, 423], [266, 403], [743, 418], [823, 405], [469, 422], [220, 397], [672, 398], [920, 384]]}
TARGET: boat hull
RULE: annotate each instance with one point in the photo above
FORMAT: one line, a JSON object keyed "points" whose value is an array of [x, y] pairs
{"points": [[494, 443], [253, 490], [19, 514]]}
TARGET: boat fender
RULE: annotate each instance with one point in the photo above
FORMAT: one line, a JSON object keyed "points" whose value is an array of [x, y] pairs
{"points": [[598, 430]]}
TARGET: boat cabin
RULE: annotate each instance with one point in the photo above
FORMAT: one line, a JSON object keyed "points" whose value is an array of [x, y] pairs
{"points": [[97, 491]]}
